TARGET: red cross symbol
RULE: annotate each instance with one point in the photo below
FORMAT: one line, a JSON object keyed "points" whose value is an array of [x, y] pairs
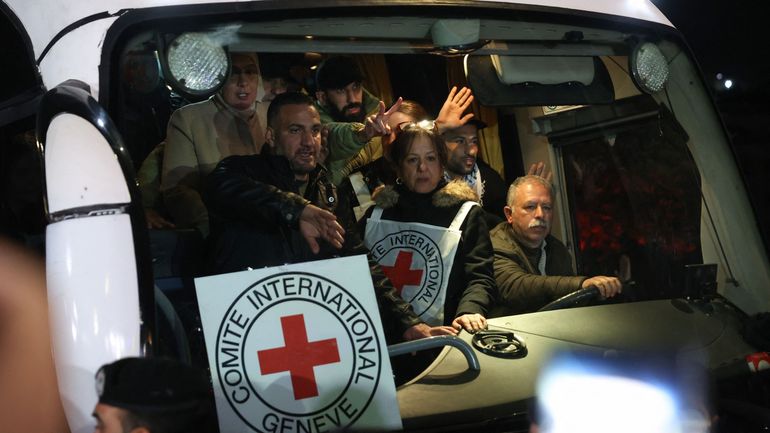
{"points": [[401, 274], [299, 356]]}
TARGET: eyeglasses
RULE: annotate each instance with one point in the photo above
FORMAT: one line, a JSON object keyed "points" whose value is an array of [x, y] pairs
{"points": [[425, 125]]}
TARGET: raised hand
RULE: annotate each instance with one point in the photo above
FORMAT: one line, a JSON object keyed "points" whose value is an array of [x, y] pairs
{"points": [[377, 124], [451, 114], [315, 223], [538, 169]]}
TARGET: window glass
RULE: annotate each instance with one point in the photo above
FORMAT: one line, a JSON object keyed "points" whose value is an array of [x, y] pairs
{"points": [[635, 200]]}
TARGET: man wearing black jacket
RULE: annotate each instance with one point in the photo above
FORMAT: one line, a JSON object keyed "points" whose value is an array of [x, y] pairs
{"points": [[279, 207]]}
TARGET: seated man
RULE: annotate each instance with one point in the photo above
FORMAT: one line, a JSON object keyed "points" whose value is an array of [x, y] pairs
{"points": [[347, 109], [340, 94], [149, 395], [355, 121], [533, 268], [276, 208]]}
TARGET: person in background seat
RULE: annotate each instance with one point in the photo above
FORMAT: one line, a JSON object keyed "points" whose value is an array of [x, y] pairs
{"points": [[353, 119], [232, 122]]}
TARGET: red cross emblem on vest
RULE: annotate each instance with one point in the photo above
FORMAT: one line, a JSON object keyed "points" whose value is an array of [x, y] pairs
{"points": [[401, 273], [299, 356]]}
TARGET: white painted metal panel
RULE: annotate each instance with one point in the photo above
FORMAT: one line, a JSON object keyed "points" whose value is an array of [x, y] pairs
{"points": [[77, 56], [639, 9], [81, 168], [93, 304], [59, 14]]}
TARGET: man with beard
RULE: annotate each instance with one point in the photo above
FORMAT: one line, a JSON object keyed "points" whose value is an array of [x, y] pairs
{"points": [[463, 146], [200, 135], [352, 116], [277, 208], [533, 268], [339, 92]]}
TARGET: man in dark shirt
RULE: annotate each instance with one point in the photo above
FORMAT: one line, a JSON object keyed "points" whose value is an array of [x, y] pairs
{"points": [[533, 268], [280, 207]]}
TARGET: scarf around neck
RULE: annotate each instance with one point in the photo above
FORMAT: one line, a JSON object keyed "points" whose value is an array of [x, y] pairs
{"points": [[473, 179]]}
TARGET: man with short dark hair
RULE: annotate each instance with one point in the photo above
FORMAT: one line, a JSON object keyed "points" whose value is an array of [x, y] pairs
{"points": [[153, 395], [272, 208], [533, 268], [463, 146], [278, 208]]}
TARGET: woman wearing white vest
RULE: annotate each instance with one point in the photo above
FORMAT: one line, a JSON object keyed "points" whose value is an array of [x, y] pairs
{"points": [[429, 236]]}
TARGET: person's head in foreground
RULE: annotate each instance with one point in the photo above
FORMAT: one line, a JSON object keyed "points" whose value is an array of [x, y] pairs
{"points": [[152, 395]]}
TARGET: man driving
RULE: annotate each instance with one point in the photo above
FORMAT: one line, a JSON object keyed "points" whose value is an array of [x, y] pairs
{"points": [[533, 268]]}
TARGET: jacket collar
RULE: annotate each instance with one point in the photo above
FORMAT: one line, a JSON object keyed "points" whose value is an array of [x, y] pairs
{"points": [[446, 194]]}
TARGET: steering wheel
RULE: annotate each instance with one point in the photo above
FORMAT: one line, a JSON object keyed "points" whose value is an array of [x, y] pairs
{"points": [[577, 298]]}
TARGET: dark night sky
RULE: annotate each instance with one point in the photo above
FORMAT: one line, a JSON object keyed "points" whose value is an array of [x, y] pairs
{"points": [[725, 36], [728, 37]]}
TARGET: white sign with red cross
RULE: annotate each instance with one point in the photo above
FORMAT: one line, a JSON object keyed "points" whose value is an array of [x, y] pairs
{"points": [[417, 258], [298, 348]]}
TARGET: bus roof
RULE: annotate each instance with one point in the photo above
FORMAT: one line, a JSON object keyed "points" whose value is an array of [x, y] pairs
{"points": [[59, 15]]}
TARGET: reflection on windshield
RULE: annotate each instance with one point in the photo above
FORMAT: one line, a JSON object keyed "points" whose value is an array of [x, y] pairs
{"points": [[635, 195], [633, 189]]}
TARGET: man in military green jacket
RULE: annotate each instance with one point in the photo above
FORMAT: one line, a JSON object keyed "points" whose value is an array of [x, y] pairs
{"points": [[344, 106], [533, 268]]}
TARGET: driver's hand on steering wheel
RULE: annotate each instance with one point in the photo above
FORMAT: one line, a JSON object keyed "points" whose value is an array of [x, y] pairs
{"points": [[470, 322], [608, 286]]}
